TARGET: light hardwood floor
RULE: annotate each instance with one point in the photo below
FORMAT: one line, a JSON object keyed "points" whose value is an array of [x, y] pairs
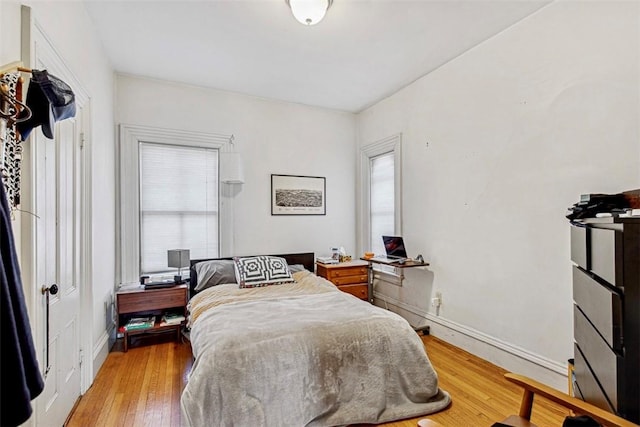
{"points": [[142, 387]]}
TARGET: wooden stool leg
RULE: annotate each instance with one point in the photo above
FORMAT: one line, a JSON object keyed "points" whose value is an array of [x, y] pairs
{"points": [[526, 404]]}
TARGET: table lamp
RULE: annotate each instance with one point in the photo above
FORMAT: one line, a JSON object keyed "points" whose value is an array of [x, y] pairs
{"points": [[178, 258]]}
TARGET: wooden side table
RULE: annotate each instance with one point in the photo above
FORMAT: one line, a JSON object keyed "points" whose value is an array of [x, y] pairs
{"points": [[140, 302], [350, 277]]}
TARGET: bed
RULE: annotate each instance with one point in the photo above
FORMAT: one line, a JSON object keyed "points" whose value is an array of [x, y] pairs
{"points": [[298, 353]]}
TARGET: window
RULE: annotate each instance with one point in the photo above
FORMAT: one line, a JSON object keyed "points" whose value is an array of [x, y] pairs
{"points": [[178, 203], [170, 198], [380, 193], [382, 200]]}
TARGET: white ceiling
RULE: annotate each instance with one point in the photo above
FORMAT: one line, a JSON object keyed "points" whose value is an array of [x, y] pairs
{"points": [[362, 52]]}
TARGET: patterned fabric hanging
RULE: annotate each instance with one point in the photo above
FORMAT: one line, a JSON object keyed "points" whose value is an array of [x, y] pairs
{"points": [[12, 148]]}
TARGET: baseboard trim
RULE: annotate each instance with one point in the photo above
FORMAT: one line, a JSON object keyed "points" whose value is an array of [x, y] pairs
{"points": [[496, 351], [100, 353]]}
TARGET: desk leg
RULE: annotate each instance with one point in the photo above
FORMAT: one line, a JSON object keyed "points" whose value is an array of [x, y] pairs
{"points": [[126, 341], [424, 329], [370, 282]]}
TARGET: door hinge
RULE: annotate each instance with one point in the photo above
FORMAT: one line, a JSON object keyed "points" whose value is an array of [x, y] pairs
{"points": [[81, 140], [80, 357]]}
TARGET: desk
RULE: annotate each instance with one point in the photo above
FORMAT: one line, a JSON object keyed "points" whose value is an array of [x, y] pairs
{"points": [[407, 264]]}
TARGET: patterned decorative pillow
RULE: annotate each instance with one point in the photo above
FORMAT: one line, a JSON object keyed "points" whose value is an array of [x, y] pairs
{"points": [[257, 271]]}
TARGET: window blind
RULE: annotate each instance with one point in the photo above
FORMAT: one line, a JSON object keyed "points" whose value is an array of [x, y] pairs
{"points": [[382, 200], [178, 203]]}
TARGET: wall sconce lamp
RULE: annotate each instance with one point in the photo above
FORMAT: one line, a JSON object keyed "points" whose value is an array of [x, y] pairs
{"points": [[309, 12], [231, 168], [178, 258], [231, 171]]}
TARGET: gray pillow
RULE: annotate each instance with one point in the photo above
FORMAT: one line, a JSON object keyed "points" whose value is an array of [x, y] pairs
{"points": [[294, 268], [215, 272]]}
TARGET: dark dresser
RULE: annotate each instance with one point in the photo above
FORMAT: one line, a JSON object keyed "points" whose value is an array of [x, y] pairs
{"points": [[606, 294]]}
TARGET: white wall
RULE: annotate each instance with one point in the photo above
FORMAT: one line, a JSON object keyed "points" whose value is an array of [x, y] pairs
{"points": [[69, 28], [517, 128], [273, 138], [497, 144]]}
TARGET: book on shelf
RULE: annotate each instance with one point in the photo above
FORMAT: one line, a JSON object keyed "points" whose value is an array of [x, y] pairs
{"points": [[172, 319], [136, 323]]}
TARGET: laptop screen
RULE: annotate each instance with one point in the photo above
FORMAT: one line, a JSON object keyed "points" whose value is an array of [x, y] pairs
{"points": [[394, 246]]}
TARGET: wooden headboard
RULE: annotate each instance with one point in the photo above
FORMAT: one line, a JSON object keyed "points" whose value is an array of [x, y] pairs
{"points": [[307, 259]]}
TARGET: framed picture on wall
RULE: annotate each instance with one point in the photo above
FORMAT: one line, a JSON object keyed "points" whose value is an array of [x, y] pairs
{"points": [[298, 195]]}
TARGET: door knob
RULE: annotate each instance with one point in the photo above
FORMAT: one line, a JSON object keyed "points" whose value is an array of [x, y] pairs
{"points": [[53, 289]]}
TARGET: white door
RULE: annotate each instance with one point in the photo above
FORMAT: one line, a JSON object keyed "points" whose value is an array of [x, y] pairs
{"points": [[53, 191], [58, 255]]}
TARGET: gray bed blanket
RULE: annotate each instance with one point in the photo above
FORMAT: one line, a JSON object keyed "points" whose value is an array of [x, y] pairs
{"points": [[295, 358]]}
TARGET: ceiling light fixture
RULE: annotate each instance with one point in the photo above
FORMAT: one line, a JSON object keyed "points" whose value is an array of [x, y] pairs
{"points": [[309, 12]]}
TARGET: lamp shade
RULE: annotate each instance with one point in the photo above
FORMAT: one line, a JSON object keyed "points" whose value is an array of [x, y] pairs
{"points": [[231, 171], [178, 258], [309, 12]]}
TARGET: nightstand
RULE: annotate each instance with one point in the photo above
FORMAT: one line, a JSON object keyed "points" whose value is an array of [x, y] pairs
{"points": [[351, 277], [146, 302]]}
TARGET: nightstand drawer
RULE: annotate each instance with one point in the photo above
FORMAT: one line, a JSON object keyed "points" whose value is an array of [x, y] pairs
{"points": [[360, 291], [152, 300], [347, 280], [588, 386], [579, 252], [602, 361], [601, 306], [603, 255], [347, 271]]}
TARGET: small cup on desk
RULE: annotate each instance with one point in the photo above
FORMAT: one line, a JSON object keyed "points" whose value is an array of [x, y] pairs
{"points": [[368, 255]]}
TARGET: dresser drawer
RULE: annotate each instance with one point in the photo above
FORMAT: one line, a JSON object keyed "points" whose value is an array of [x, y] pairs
{"points": [[601, 305], [587, 386], [579, 246], [601, 359], [335, 273], [361, 291], [346, 280], [603, 255], [151, 300]]}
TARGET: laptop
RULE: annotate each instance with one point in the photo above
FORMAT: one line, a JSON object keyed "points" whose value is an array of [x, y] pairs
{"points": [[394, 248]]}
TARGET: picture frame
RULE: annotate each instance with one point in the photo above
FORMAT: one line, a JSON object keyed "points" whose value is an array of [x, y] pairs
{"points": [[298, 195]]}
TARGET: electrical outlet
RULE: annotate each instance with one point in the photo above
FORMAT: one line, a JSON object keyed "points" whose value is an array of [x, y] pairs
{"points": [[437, 300]]}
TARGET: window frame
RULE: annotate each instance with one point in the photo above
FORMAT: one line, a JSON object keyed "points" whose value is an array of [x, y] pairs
{"points": [[391, 144], [128, 191]]}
